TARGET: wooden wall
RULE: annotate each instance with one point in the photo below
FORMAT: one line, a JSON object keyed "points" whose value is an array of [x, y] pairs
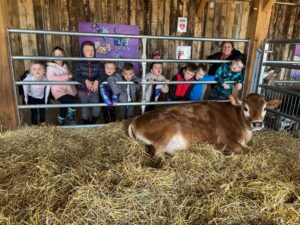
{"points": [[222, 19], [284, 24]]}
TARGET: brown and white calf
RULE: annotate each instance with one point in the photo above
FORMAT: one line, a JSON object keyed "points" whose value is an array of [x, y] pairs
{"points": [[227, 125]]}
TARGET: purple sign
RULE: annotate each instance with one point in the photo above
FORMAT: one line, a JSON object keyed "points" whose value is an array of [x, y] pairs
{"points": [[113, 47], [296, 73]]}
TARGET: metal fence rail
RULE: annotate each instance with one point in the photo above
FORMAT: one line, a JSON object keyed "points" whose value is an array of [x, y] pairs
{"points": [[143, 60]]}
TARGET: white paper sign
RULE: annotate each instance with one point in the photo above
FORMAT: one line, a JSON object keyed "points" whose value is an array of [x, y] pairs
{"points": [[182, 24], [183, 52]]}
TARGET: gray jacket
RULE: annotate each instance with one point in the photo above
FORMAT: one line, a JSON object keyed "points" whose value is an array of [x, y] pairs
{"points": [[121, 89]]}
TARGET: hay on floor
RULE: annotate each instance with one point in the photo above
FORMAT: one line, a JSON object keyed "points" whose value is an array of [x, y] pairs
{"points": [[100, 176]]}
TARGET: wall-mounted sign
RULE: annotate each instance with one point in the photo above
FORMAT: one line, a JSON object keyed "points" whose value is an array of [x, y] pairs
{"points": [[183, 52], [182, 24], [296, 73]]}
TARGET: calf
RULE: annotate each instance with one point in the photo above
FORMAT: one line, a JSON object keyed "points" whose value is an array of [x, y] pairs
{"points": [[227, 125]]}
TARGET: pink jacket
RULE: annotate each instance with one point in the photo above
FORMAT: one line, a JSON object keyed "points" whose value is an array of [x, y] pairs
{"points": [[56, 72]]}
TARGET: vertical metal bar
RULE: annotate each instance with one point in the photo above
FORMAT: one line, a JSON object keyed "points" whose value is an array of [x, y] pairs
{"points": [[246, 69], [144, 65], [262, 68], [13, 77], [297, 103], [255, 75], [293, 107], [289, 106]]}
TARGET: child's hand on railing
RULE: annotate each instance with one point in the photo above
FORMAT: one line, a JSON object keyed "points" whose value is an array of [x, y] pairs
{"points": [[226, 86], [239, 86], [115, 99], [95, 86]]}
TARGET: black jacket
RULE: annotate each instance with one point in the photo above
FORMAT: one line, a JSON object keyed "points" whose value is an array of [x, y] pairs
{"points": [[213, 68], [88, 70]]}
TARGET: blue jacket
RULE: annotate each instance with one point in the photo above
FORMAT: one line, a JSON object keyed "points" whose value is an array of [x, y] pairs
{"points": [[224, 74], [199, 89]]}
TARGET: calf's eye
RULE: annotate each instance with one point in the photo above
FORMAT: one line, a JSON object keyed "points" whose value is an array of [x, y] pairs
{"points": [[245, 109]]}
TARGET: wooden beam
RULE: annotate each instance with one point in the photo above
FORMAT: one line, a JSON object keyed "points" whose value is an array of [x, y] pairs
{"points": [[201, 6], [8, 113], [257, 31], [268, 4]]}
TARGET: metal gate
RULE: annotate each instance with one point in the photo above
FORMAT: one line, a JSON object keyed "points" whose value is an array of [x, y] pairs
{"points": [[142, 59], [287, 117]]}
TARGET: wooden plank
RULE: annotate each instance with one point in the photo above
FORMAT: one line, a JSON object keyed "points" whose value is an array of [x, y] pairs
{"points": [[160, 24], [38, 18], [201, 6], [73, 26], [243, 26], [125, 15], [141, 16], [217, 22], [230, 19], [172, 69], [91, 5], [26, 18], [16, 45], [64, 26], [153, 24], [223, 21], [190, 29], [288, 29], [166, 30], [118, 12], [237, 21], [47, 26], [208, 30], [8, 109], [112, 11], [132, 12], [54, 15], [98, 14]]}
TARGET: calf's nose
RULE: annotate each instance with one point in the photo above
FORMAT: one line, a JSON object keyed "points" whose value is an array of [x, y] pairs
{"points": [[257, 124]]}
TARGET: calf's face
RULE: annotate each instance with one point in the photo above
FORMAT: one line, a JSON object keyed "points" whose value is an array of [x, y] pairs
{"points": [[254, 109]]}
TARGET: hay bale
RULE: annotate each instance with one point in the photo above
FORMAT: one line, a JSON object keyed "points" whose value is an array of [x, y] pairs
{"points": [[100, 176]]}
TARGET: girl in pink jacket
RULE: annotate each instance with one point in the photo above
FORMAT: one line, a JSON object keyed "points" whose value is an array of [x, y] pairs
{"points": [[66, 94]]}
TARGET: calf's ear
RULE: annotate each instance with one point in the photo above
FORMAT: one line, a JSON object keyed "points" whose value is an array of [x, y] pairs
{"points": [[235, 100], [272, 104]]}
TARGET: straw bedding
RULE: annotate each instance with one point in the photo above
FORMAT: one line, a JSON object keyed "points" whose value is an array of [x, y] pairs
{"points": [[100, 176]]}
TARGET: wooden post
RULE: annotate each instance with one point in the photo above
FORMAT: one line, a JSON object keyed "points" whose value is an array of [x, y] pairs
{"points": [[257, 31], [8, 113]]}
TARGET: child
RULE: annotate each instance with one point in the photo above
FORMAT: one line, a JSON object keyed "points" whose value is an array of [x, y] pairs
{"points": [[109, 113], [228, 72], [65, 94], [179, 92], [153, 90], [125, 93], [37, 93], [90, 74], [198, 90]]}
